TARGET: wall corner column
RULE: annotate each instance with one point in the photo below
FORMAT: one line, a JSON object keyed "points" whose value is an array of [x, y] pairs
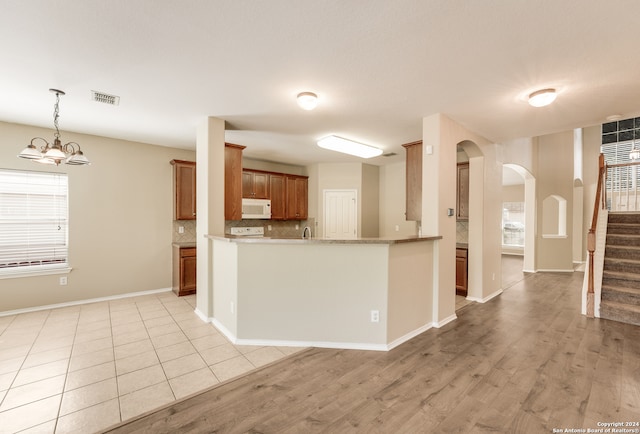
{"points": [[210, 206]]}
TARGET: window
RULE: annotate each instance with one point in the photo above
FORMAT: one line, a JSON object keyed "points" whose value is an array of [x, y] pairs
{"points": [[513, 224], [618, 139], [33, 221]]}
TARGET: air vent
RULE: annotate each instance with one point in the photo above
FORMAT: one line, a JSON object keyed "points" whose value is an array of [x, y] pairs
{"points": [[105, 98], [389, 154]]}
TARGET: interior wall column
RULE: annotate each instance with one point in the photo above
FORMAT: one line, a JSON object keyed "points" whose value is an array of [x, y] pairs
{"points": [[439, 179], [210, 207]]}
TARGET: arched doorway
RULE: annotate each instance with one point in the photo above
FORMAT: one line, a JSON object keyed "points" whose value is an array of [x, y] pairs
{"points": [[528, 181]]}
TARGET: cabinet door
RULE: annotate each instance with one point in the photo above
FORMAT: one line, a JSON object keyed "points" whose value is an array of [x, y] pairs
{"points": [[185, 189], [462, 198], [297, 198], [277, 189], [255, 185], [247, 184], [461, 272], [187, 271], [261, 185], [233, 181], [414, 181]]}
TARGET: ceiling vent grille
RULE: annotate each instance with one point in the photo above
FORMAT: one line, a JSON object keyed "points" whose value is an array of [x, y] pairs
{"points": [[389, 154], [105, 98]]}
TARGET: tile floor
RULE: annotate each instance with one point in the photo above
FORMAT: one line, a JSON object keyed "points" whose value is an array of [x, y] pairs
{"points": [[84, 368]]}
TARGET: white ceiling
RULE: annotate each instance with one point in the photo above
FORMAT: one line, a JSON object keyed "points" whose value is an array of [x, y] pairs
{"points": [[379, 67]]}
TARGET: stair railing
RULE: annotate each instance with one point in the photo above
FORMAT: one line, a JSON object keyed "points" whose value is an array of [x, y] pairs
{"points": [[600, 201], [621, 185]]}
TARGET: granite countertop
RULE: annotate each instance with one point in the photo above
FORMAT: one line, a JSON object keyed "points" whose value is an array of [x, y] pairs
{"points": [[184, 244], [298, 240]]}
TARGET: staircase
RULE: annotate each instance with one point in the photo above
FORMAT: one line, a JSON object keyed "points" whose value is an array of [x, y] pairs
{"points": [[621, 276]]}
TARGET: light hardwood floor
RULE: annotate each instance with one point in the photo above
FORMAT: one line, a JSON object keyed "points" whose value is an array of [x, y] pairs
{"points": [[524, 362]]}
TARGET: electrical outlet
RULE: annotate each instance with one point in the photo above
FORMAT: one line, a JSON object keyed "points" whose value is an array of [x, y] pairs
{"points": [[297, 227], [397, 228], [268, 227], [181, 229], [375, 316], [63, 280], [233, 308]]}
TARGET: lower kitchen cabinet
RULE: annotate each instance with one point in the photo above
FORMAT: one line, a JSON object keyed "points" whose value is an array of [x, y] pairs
{"points": [[461, 272], [184, 270]]}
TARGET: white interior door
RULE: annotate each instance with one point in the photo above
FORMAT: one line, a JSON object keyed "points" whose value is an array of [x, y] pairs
{"points": [[340, 217]]}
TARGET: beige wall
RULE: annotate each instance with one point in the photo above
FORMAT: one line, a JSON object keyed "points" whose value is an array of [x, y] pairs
{"points": [[393, 187], [363, 178], [513, 193], [554, 176], [270, 166], [370, 202], [120, 219]]}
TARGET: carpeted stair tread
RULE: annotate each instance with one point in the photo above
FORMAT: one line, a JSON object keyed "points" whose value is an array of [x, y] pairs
{"points": [[622, 312], [623, 217]]}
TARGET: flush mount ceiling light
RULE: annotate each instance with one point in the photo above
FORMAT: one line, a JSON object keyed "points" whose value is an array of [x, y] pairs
{"points": [[543, 97], [335, 143], [307, 100], [55, 153]]}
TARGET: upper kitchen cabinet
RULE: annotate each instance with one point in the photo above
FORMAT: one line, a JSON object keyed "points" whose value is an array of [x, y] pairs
{"points": [[278, 196], [297, 197], [233, 181], [255, 184], [414, 181], [184, 186], [462, 199]]}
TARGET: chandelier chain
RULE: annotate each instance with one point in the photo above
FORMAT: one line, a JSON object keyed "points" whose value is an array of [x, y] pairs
{"points": [[56, 115]]}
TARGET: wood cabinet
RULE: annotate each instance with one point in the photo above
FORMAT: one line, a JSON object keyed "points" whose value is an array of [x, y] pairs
{"points": [[184, 270], [184, 189], [413, 181], [233, 181], [255, 184], [278, 190], [461, 272], [297, 188], [462, 196]]}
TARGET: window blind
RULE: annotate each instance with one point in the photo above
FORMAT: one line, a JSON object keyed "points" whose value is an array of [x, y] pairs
{"points": [[33, 219]]}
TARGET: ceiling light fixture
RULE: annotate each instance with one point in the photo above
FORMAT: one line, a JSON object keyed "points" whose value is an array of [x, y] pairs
{"points": [[335, 143], [543, 97], [307, 100], [55, 153]]}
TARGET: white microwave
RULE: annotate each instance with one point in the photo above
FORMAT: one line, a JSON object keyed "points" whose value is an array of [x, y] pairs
{"points": [[256, 208]]}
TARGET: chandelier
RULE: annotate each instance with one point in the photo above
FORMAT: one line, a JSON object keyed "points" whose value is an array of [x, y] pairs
{"points": [[55, 153]]}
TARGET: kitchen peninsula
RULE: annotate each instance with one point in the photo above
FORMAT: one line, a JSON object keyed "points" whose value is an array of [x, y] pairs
{"points": [[368, 293]]}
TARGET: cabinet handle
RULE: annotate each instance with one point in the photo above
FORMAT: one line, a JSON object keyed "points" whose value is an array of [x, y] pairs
{"points": [[194, 213]]}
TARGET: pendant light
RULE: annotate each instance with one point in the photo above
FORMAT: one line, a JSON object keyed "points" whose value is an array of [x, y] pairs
{"points": [[55, 153]]}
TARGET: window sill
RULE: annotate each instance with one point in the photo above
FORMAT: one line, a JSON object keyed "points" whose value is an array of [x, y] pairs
{"points": [[40, 271], [553, 236]]}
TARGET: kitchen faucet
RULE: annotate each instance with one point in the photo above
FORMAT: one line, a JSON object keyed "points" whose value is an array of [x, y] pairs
{"points": [[304, 232]]}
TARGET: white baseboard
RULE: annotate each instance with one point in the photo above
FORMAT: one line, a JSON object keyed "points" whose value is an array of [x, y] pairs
{"points": [[323, 344], [410, 335], [447, 320], [545, 270], [487, 298], [202, 316], [86, 301]]}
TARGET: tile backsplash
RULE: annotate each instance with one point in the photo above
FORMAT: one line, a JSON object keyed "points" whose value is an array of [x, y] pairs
{"points": [[279, 229], [462, 232], [189, 235]]}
